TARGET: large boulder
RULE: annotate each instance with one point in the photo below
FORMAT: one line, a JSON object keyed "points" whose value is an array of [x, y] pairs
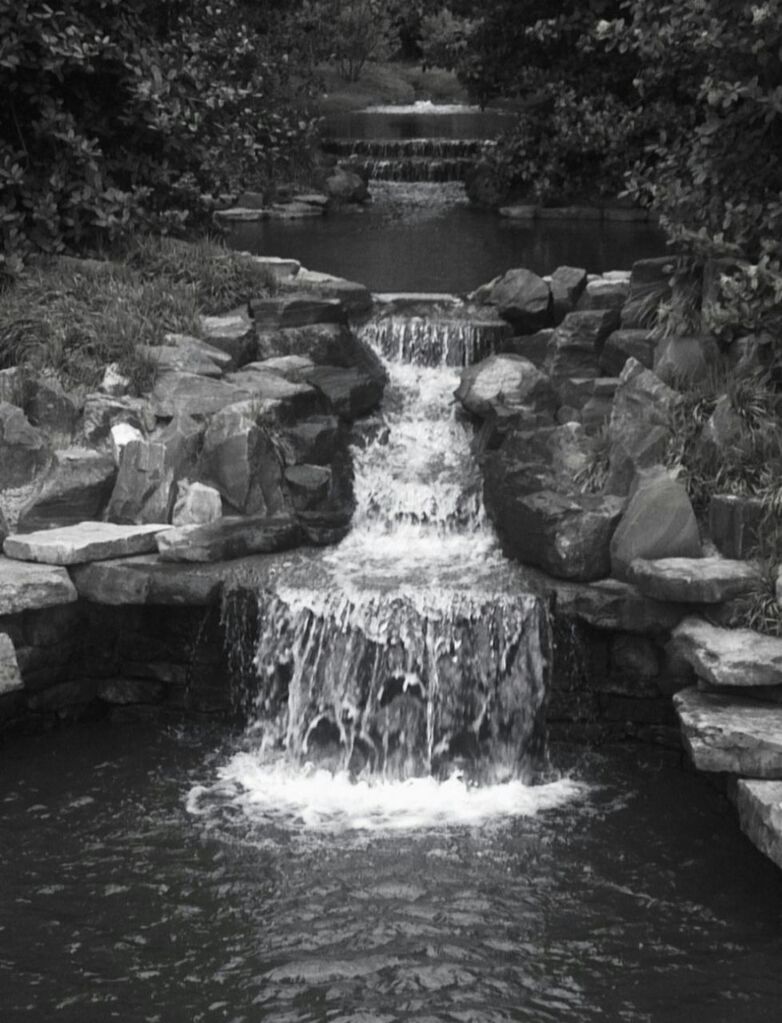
{"points": [[649, 286], [77, 486], [567, 285], [659, 523], [287, 399], [103, 411], [683, 361], [529, 460], [316, 440], [196, 504], [188, 394], [505, 383], [149, 471], [641, 425], [240, 459], [760, 813], [695, 580], [233, 333], [622, 345], [355, 298], [24, 451], [574, 347], [523, 299], [82, 542], [567, 535], [48, 407], [182, 359], [325, 344], [309, 485], [29, 587], [350, 392], [282, 312], [10, 676], [605, 293]]}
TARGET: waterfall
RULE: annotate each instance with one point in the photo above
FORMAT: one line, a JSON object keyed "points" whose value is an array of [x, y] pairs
{"points": [[411, 160], [412, 647]]}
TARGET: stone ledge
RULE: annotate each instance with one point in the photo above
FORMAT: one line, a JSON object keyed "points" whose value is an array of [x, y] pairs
{"points": [[148, 579], [28, 587], [760, 815], [694, 580], [730, 735], [730, 658], [83, 542]]}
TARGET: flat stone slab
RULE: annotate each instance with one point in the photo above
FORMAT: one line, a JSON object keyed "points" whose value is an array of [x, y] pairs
{"points": [[694, 580], [228, 538], [148, 579], [731, 735], [729, 657], [760, 815], [26, 587], [86, 541], [10, 676], [619, 606]]}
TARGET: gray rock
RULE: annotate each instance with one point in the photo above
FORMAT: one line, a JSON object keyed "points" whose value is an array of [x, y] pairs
{"points": [[649, 286], [24, 451], [523, 299], [618, 606], [729, 657], [102, 411], [622, 345], [114, 383], [565, 535], [283, 312], [186, 394], [181, 359], [324, 526], [759, 805], [25, 587], [349, 391], [229, 538], [317, 440], [196, 504], [223, 360], [355, 298], [574, 347], [288, 398], [640, 427], [530, 346], [232, 333], [529, 460], [86, 541], [695, 580], [567, 285], [48, 407], [143, 492], [605, 294], [289, 366], [77, 486], [683, 361], [505, 383], [3, 526], [731, 735], [309, 485], [10, 676], [240, 459], [325, 344], [659, 523], [734, 524], [12, 386], [346, 186]]}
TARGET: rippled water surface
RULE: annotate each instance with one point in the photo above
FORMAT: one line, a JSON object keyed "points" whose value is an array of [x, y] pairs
{"points": [[138, 884]]}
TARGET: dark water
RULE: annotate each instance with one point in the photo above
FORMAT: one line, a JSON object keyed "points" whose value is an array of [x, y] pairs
{"points": [[639, 901], [426, 237], [421, 120]]}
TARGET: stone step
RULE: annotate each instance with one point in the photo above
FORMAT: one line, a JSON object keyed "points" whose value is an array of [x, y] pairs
{"points": [[86, 541], [733, 658], [760, 815], [694, 580], [731, 735], [26, 587]]}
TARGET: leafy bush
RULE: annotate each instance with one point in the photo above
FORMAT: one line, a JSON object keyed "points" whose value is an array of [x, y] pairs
{"points": [[123, 115]]}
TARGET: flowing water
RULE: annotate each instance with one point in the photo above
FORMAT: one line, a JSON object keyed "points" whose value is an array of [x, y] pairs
{"points": [[369, 847]]}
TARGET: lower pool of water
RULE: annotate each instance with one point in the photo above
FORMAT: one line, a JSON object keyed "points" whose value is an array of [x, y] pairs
{"points": [[135, 888]]}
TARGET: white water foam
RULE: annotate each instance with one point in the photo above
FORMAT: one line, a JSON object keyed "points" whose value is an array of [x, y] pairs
{"points": [[321, 802], [422, 106]]}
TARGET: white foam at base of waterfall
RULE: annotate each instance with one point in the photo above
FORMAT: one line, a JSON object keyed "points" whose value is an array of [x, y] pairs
{"points": [[316, 800]]}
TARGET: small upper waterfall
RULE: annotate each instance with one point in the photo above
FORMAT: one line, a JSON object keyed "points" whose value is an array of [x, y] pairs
{"points": [[411, 647]]}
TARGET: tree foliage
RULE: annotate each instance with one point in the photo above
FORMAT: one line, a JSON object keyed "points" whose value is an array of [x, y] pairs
{"points": [[127, 113]]}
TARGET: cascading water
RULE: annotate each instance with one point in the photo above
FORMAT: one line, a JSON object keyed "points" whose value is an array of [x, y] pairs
{"points": [[412, 649]]}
